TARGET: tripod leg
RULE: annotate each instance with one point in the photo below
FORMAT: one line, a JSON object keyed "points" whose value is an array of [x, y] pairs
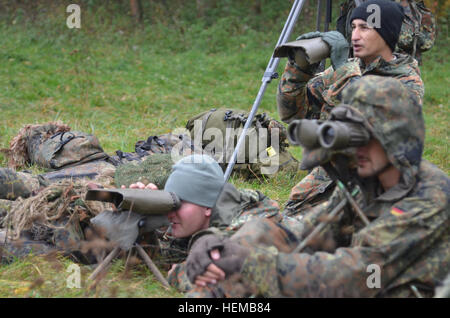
{"points": [[105, 263], [152, 266]]}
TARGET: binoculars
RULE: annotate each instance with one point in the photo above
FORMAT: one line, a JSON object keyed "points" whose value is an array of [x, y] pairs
{"points": [[332, 135], [304, 52]]}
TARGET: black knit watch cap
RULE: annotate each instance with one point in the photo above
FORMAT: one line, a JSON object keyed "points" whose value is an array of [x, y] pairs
{"points": [[391, 19]]}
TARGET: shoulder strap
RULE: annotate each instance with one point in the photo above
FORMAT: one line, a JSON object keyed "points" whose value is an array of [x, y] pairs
{"points": [[205, 120], [417, 24]]}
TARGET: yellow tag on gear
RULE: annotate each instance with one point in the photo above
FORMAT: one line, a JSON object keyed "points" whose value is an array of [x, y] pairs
{"points": [[271, 152]]}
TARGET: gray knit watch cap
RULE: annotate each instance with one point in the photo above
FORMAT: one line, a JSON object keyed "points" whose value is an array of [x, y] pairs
{"points": [[196, 179]]}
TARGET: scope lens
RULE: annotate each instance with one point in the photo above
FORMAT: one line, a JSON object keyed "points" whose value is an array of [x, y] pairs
{"points": [[329, 135], [292, 132], [291, 54]]}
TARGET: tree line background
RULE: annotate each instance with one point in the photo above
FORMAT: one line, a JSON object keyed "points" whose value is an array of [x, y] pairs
{"points": [[154, 11]]}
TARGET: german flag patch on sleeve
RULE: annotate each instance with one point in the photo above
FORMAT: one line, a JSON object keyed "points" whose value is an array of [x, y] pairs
{"points": [[397, 211]]}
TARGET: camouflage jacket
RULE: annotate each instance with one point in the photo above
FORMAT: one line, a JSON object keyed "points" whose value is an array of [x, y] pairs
{"points": [[302, 95], [408, 238], [300, 98], [233, 209]]}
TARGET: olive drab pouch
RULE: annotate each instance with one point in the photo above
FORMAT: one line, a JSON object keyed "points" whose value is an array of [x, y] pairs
{"points": [[265, 149], [418, 30], [65, 149]]}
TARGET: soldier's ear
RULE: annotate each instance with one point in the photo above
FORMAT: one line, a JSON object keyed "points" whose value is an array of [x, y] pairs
{"points": [[208, 211]]}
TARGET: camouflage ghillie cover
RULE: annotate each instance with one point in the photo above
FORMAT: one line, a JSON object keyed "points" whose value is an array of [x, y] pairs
{"points": [[155, 169], [5, 207], [408, 236], [52, 220]]}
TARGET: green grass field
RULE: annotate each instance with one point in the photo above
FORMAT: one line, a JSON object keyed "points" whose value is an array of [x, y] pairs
{"points": [[124, 82]]}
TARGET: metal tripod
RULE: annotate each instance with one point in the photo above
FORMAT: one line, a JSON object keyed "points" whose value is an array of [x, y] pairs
{"points": [[148, 261]]}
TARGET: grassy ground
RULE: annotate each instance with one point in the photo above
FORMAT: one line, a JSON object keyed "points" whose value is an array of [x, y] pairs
{"points": [[124, 82]]}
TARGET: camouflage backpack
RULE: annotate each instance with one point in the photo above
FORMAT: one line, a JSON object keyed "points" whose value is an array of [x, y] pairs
{"points": [[418, 30], [54, 146], [66, 149], [264, 151]]}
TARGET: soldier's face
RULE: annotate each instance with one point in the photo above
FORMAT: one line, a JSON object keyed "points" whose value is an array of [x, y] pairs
{"points": [[367, 43], [371, 159], [189, 219]]}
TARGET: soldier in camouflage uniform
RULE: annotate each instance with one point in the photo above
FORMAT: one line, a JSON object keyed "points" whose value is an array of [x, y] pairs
{"points": [[56, 219], [53, 145], [198, 181], [303, 95], [404, 197]]}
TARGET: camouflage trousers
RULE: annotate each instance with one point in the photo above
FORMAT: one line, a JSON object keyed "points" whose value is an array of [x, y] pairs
{"points": [[17, 184], [258, 233]]}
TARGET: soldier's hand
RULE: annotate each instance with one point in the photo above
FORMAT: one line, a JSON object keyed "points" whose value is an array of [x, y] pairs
{"points": [[213, 273], [309, 35], [140, 185], [211, 258], [339, 47]]}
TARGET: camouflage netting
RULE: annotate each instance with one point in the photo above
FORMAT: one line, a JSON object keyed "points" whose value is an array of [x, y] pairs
{"points": [[18, 151], [155, 169], [52, 204]]}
